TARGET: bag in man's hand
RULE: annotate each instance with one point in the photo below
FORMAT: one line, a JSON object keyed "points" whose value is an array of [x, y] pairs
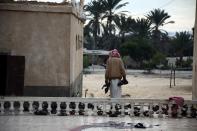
{"points": [[123, 82], [106, 85]]}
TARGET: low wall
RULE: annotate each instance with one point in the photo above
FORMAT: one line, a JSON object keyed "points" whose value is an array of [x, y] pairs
{"points": [[97, 106]]}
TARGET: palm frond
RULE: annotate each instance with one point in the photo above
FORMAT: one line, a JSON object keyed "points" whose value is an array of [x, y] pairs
{"points": [[121, 5]]}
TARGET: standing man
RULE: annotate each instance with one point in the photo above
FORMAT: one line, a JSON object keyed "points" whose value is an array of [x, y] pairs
{"points": [[115, 71]]}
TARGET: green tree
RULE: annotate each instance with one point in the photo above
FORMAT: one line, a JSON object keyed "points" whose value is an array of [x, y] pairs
{"points": [[138, 49], [107, 41], [85, 62], [124, 25], [141, 28], [94, 12], [158, 19], [182, 42], [111, 6], [158, 59]]}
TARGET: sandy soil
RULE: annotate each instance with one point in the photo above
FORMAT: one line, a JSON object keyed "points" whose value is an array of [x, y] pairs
{"points": [[140, 86]]}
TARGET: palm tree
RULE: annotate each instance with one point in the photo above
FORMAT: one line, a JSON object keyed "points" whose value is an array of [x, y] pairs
{"points": [[106, 42], [124, 25], [182, 42], [94, 11], [142, 28], [88, 38], [158, 18], [111, 6]]}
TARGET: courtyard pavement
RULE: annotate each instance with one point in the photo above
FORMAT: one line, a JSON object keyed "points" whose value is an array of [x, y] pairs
{"points": [[93, 123]]}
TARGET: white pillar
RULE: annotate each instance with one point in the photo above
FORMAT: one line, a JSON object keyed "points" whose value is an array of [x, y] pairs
{"points": [[194, 83]]}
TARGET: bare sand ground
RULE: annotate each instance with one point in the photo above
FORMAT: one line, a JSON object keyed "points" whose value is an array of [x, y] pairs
{"points": [[140, 86]]}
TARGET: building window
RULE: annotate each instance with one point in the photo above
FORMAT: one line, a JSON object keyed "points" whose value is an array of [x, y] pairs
{"points": [[79, 41], [78, 46], [76, 42]]}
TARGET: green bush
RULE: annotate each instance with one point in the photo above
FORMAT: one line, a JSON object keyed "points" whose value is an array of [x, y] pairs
{"points": [[187, 63], [159, 58], [85, 61]]}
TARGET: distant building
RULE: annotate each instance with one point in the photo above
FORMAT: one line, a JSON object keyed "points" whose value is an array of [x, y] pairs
{"points": [[96, 57], [50, 39], [95, 52], [173, 60]]}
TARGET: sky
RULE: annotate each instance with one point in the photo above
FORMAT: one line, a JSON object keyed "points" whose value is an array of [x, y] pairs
{"points": [[182, 12]]}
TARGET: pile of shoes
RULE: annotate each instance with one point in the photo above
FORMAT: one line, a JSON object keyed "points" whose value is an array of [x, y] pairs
{"points": [[139, 125]]}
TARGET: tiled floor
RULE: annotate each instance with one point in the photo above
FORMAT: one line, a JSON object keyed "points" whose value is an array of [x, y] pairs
{"points": [[93, 123]]}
